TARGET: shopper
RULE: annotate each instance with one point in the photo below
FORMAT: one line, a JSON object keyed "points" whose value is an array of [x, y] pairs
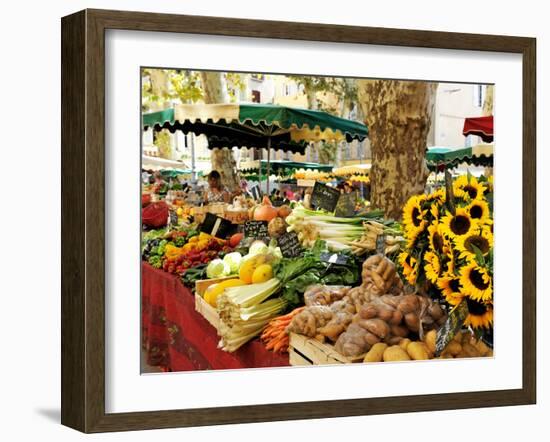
{"points": [[216, 193]]}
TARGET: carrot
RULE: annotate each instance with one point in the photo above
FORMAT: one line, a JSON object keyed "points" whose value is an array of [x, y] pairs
{"points": [[281, 345]]}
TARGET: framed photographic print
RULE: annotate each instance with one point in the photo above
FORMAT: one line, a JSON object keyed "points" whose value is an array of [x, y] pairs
{"points": [[267, 221]]}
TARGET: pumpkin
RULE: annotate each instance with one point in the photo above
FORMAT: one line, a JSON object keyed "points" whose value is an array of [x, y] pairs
{"points": [[265, 211], [284, 211]]}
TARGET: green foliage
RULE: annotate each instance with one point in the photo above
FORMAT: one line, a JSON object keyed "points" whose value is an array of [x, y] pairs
{"points": [[236, 83], [163, 142], [327, 152], [343, 88]]}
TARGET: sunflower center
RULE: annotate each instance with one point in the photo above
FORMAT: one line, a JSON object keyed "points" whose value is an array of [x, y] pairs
{"points": [[460, 225], [476, 308], [478, 241], [438, 242], [476, 278], [454, 284], [476, 212], [416, 219], [472, 191]]}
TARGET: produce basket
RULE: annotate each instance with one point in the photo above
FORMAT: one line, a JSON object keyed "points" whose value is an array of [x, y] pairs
{"points": [[236, 216], [155, 214], [306, 351], [206, 310]]}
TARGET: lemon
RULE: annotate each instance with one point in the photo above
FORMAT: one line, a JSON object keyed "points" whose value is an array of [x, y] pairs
{"points": [[246, 270], [262, 273], [212, 292]]}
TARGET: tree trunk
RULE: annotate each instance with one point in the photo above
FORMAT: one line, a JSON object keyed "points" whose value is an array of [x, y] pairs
{"points": [[215, 91], [488, 102], [398, 115]]}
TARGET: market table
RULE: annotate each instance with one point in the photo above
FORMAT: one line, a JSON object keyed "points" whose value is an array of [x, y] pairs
{"points": [[176, 337]]}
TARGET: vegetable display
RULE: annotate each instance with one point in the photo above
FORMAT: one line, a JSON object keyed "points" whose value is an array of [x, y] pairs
{"points": [[358, 234], [275, 336]]}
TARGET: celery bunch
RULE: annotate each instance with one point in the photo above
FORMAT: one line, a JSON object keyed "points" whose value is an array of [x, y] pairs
{"points": [[245, 310]]}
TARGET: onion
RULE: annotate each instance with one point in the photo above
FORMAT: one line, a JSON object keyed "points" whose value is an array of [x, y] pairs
{"points": [[265, 212]]}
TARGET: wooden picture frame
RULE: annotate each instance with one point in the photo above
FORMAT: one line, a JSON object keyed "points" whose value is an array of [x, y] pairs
{"points": [[83, 216]]}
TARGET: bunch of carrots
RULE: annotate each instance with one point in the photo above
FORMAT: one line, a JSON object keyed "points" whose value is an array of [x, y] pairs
{"points": [[275, 336]]}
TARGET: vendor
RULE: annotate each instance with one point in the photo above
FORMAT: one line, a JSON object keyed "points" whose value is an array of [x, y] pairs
{"points": [[216, 193]]}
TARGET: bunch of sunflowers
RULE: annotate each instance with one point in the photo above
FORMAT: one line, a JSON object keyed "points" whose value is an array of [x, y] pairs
{"points": [[451, 253]]}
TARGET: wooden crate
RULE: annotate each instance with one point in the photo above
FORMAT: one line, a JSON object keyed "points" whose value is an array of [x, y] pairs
{"points": [[306, 351], [206, 310]]}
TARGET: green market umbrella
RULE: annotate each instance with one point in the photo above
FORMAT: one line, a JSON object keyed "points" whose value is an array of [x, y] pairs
{"points": [[266, 126], [283, 166], [440, 158]]}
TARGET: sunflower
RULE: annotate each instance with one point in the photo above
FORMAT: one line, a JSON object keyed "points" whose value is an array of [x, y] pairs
{"points": [[409, 264], [439, 241], [476, 281], [450, 287], [432, 266], [468, 188], [413, 219], [480, 314], [438, 196], [449, 259], [459, 224], [479, 210], [482, 239], [413, 215]]}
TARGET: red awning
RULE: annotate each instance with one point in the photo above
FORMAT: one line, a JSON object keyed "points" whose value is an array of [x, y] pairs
{"points": [[480, 126]]}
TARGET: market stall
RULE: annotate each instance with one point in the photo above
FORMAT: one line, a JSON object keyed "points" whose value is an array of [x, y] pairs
{"points": [[316, 282], [480, 126], [441, 158], [266, 126]]}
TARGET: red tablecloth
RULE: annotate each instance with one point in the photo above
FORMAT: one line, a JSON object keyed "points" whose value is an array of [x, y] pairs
{"points": [[177, 338]]}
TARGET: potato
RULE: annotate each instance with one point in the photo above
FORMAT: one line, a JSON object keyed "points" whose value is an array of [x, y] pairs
{"points": [[408, 304], [482, 348], [371, 338], [435, 311], [404, 343], [385, 314], [418, 351], [376, 326], [368, 312], [468, 351], [376, 352], [394, 340], [389, 273], [381, 268], [445, 356], [320, 338], [396, 318], [412, 321], [453, 348], [395, 353], [430, 339], [399, 330]]}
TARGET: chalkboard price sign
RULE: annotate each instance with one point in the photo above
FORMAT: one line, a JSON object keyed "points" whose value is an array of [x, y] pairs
{"points": [[218, 227], [451, 327], [290, 245], [324, 197], [255, 229], [346, 204]]}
